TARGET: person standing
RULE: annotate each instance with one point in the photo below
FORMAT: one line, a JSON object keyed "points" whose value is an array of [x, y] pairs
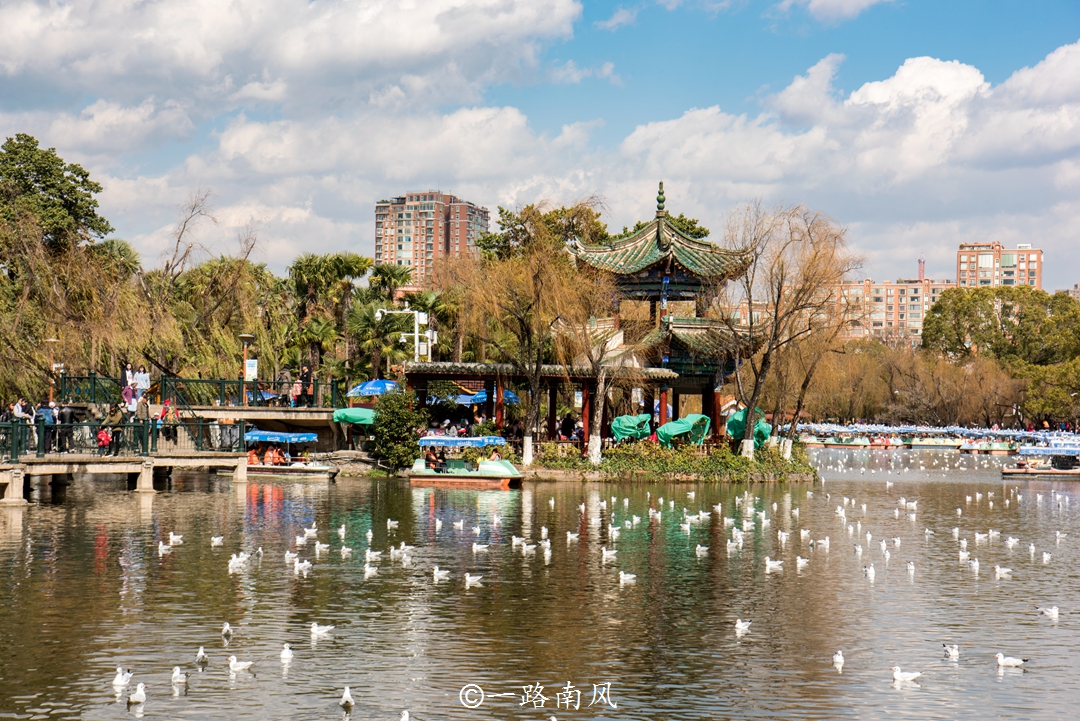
{"points": [[115, 423], [127, 376], [142, 382], [46, 416], [65, 417], [170, 419], [306, 382]]}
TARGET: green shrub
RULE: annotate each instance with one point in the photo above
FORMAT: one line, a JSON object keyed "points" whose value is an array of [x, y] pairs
{"points": [[397, 429]]}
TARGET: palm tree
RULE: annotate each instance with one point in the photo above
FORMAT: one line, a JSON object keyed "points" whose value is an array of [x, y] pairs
{"points": [[323, 286], [320, 334], [387, 278], [377, 335], [439, 310]]}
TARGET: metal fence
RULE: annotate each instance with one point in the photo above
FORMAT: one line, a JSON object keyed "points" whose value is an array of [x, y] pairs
{"points": [[196, 392], [127, 439]]}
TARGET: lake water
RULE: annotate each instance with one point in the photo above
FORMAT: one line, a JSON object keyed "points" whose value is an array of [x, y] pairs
{"points": [[83, 590]]}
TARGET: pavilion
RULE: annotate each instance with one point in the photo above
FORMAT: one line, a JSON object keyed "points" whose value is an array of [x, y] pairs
{"points": [[680, 355]]}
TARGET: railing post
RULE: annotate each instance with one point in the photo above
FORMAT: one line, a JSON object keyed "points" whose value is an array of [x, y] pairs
{"points": [[41, 437], [240, 443], [221, 392], [154, 432], [93, 386], [63, 385], [144, 438]]}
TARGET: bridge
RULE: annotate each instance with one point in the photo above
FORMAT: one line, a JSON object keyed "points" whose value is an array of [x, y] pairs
{"points": [[142, 451]]}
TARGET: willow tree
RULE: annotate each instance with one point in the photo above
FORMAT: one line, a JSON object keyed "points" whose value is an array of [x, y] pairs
{"points": [[798, 260]]}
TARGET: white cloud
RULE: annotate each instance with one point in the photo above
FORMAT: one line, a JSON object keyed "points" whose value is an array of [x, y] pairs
{"points": [[622, 16], [569, 72], [831, 9]]}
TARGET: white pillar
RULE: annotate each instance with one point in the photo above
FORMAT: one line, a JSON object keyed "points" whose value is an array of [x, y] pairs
{"points": [[240, 474], [748, 448], [786, 449], [13, 495], [526, 451], [145, 483]]}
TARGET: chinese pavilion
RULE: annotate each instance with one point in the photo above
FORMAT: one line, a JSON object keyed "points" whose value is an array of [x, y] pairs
{"points": [[676, 355], [659, 264]]}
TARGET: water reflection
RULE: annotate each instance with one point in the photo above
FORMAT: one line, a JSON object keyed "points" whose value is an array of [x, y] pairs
{"points": [[84, 590]]}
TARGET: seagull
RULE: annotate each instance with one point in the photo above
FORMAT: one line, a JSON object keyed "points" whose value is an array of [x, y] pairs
{"points": [[1046, 558], [346, 552], [742, 626], [869, 571], [370, 555], [1000, 572], [904, 676], [217, 541], [369, 535], [317, 630], [237, 666], [606, 555], [341, 532], [201, 658], [1051, 613], [572, 536], [1008, 661], [286, 653], [346, 701], [122, 677], [301, 540], [390, 525], [838, 658], [319, 547], [701, 550], [472, 580], [438, 525], [178, 676], [163, 548], [516, 541], [551, 501], [175, 540], [476, 530], [438, 575], [951, 652], [311, 532], [801, 562], [771, 565], [370, 571], [625, 577], [477, 547], [911, 567], [226, 629], [139, 696], [460, 525]]}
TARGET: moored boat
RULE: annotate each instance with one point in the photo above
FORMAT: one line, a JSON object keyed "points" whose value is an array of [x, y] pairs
{"points": [[1047, 461], [493, 473]]}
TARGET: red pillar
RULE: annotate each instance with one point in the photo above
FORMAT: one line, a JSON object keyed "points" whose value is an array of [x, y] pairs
{"points": [[663, 405], [499, 402], [553, 418], [586, 409]]}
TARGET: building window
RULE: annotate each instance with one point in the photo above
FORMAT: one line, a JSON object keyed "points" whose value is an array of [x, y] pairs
{"points": [[963, 258], [986, 260]]}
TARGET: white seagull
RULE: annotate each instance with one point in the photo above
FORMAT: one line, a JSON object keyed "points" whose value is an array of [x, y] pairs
{"points": [[175, 539], [226, 630], [238, 666], [606, 555], [838, 659], [139, 696], [341, 532], [1051, 613], [742, 626], [951, 652], [1008, 661], [904, 676], [201, 658], [439, 575], [346, 701], [122, 677], [178, 676], [317, 630], [286, 653], [625, 577], [390, 525], [217, 541], [472, 580]]}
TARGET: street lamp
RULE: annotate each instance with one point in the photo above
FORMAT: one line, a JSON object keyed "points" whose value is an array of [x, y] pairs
{"points": [[419, 318], [245, 339], [52, 366]]}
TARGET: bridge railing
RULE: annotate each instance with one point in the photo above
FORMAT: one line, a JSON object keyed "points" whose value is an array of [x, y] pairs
{"points": [[139, 438], [204, 392]]}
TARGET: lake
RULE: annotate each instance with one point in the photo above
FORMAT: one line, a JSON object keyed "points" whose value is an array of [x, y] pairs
{"points": [[84, 590]]}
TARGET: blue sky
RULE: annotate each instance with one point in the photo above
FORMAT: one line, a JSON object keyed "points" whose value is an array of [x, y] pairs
{"points": [[918, 124]]}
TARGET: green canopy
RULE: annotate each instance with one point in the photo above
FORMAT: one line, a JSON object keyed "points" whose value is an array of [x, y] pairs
{"points": [[636, 427], [694, 424], [736, 426], [359, 416]]}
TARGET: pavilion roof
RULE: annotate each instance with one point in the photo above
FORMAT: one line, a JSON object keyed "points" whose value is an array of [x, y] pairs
{"points": [[660, 241], [704, 337], [447, 369]]}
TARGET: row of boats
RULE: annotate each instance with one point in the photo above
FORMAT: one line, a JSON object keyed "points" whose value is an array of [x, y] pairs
{"points": [[882, 442]]}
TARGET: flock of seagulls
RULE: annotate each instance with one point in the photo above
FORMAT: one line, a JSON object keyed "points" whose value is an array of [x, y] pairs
{"points": [[749, 521]]}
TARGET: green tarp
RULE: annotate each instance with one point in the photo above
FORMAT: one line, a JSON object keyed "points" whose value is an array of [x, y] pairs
{"points": [[694, 424], [359, 416], [736, 426], [636, 427]]}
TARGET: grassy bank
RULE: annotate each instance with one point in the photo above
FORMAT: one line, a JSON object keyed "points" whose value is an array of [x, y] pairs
{"points": [[650, 461]]}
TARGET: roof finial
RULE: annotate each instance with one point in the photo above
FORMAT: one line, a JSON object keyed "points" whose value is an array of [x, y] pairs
{"points": [[660, 200]]}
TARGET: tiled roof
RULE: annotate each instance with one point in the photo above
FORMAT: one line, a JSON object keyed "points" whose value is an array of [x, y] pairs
{"points": [[449, 369], [703, 337], [658, 241]]}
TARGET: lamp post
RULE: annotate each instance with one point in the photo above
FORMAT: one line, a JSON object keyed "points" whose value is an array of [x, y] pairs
{"points": [[245, 339], [52, 366], [419, 318]]}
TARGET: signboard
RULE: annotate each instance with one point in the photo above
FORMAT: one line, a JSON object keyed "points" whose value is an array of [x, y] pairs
{"points": [[577, 399], [251, 369]]}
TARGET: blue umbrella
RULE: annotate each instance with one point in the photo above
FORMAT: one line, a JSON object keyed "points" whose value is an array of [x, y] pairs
{"points": [[372, 388], [508, 397]]}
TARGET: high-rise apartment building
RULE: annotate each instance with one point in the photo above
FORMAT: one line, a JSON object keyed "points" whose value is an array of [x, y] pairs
{"points": [[991, 264], [1074, 291], [418, 228], [891, 311]]}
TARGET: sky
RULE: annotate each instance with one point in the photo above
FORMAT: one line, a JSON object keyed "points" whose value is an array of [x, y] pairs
{"points": [[917, 124]]}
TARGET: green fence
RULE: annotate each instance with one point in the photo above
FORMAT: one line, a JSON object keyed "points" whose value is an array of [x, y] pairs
{"points": [[128, 439], [201, 392]]}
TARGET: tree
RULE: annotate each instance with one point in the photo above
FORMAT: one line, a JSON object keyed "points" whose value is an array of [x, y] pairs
{"points": [[386, 278], [688, 226], [798, 259], [397, 428], [377, 335], [59, 195]]}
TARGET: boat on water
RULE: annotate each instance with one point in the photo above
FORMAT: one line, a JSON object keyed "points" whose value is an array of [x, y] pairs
{"points": [[292, 468], [459, 473], [856, 442], [934, 443], [989, 448], [1053, 461]]}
